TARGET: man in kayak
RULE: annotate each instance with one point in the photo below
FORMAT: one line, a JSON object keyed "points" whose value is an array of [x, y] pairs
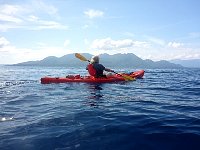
{"points": [[96, 69]]}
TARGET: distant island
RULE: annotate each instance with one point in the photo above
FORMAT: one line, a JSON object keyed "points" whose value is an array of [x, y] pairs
{"points": [[129, 60], [192, 63]]}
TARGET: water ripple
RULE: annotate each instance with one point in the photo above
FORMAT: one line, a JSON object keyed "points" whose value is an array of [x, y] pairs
{"points": [[161, 111]]}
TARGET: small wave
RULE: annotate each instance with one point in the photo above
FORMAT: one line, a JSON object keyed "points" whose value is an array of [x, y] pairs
{"points": [[2, 119], [7, 84]]}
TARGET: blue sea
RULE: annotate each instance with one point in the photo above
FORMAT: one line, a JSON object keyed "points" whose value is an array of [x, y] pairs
{"points": [[159, 112]]}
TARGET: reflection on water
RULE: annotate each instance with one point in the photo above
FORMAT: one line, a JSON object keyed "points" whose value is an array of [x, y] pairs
{"points": [[95, 94]]}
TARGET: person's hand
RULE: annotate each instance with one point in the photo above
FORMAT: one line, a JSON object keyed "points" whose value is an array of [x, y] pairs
{"points": [[112, 71]]}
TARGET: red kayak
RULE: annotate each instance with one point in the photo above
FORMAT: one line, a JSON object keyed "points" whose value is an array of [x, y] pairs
{"points": [[91, 79]]}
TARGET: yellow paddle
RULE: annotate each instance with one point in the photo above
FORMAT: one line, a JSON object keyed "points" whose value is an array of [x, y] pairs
{"points": [[79, 56], [127, 78]]}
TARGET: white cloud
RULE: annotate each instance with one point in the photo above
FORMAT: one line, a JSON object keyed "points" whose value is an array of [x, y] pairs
{"points": [[109, 44], [21, 16], [10, 9], [11, 13], [9, 18], [32, 18], [186, 55], [194, 34], [10, 54], [7, 51], [144, 50], [5, 27], [39, 5], [3, 42], [66, 43], [43, 24], [38, 24], [155, 40], [175, 44], [91, 13]]}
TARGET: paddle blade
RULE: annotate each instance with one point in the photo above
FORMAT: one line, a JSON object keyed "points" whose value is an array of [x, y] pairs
{"points": [[127, 78], [79, 56]]}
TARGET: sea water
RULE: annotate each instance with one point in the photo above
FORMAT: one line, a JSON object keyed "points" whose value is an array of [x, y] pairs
{"points": [[159, 112]]}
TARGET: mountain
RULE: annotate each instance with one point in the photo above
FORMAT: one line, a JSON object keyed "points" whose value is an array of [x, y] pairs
{"points": [[117, 60], [192, 63], [67, 60]]}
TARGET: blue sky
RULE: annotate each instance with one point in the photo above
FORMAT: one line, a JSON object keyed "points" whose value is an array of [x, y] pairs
{"points": [[151, 29]]}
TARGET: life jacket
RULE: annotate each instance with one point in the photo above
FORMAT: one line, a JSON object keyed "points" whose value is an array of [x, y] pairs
{"points": [[91, 70]]}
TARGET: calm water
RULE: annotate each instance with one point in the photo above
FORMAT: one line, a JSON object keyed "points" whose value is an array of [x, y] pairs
{"points": [[161, 111]]}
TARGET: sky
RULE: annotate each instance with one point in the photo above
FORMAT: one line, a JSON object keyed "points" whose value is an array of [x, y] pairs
{"points": [[151, 29]]}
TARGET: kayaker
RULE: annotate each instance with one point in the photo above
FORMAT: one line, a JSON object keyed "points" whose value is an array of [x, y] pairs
{"points": [[95, 68]]}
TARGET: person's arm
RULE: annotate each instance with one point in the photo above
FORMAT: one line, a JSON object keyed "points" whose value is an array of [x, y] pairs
{"points": [[109, 70]]}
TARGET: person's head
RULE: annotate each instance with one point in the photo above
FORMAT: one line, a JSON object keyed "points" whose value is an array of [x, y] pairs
{"points": [[94, 59]]}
